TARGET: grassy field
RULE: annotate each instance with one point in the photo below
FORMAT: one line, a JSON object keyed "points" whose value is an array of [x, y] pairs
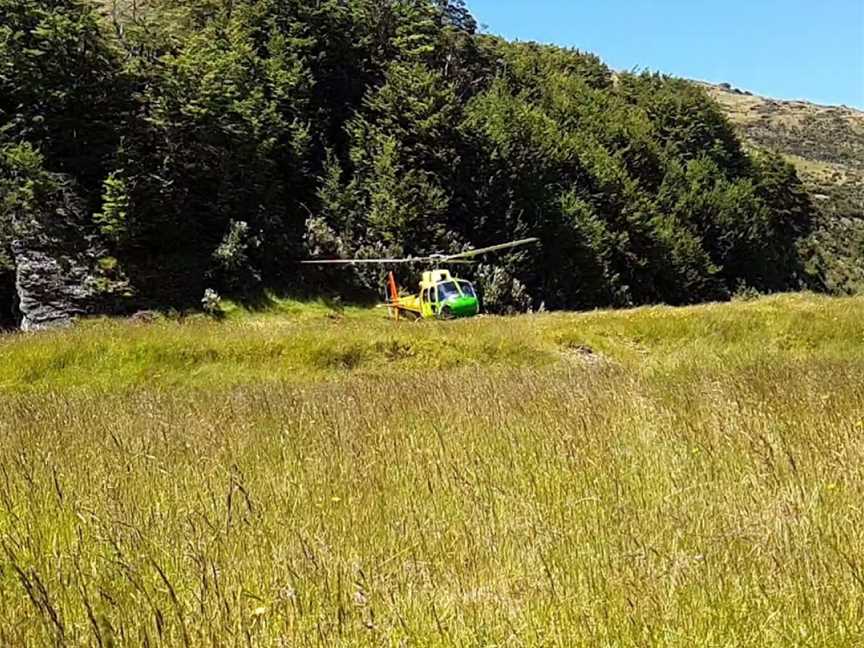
{"points": [[308, 477]]}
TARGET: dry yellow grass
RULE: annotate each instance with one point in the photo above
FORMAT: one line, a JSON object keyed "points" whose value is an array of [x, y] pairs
{"points": [[823, 142], [696, 481]]}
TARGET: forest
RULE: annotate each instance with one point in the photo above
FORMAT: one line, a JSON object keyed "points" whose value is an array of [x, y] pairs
{"points": [[176, 146]]}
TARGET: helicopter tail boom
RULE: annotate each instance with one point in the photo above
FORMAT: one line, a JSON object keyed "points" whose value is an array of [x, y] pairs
{"points": [[393, 296]]}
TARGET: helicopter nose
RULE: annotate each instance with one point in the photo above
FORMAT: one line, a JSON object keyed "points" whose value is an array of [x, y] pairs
{"points": [[464, 306]]}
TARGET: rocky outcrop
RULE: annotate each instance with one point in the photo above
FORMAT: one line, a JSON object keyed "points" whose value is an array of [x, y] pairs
{"points": [[53, 287], [62, 271]]}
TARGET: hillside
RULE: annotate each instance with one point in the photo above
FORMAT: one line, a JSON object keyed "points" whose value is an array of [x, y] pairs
{"points": [[147, 156], [658, 476], [826, 145]]}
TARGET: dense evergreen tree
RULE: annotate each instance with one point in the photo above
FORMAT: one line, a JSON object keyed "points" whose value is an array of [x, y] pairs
{"points": [[218, 141]]}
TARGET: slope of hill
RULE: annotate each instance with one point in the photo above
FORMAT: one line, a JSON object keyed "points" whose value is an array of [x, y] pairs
{"points": [[826, 145], [209, 144]]}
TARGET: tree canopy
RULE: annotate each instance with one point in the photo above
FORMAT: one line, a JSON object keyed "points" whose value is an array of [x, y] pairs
{"points": [[217, 142]]}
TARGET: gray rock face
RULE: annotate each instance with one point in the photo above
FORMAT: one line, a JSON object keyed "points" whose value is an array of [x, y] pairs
{"points": [[52, 287], [60, 273]]}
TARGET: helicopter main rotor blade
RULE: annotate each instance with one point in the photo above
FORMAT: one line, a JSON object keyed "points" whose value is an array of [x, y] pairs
{"points": [[493, 248], [363, 261], [443, 260]]}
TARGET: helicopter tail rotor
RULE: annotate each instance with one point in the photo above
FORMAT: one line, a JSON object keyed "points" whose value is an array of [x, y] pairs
{"points": [[392, 290]]}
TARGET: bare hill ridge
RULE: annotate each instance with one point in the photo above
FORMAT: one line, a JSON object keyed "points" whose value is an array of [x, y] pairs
{"points": [[826, 145]]}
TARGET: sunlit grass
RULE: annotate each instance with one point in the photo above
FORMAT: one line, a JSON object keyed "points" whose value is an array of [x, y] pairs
{"points": [[673, 477], [297, 342]]}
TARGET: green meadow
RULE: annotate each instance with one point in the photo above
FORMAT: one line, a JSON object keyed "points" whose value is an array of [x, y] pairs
{"points": [[306, 476]]}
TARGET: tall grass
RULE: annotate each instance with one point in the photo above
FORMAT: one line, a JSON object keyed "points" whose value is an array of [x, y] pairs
{"points": [[655, 477]]}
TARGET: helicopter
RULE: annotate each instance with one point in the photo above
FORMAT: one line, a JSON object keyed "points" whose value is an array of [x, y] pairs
{"points": [[441, 295]]}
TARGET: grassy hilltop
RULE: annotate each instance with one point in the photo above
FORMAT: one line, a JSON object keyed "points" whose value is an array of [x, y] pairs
{"points": [[307, 477]]}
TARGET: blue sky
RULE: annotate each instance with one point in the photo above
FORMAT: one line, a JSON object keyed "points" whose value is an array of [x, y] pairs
{"points": [[787, 49]]}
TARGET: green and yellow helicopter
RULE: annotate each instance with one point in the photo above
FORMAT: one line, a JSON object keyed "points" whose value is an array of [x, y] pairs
{"points": [[441, 295]]}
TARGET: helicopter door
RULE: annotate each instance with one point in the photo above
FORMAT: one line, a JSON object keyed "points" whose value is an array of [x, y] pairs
{"points": [[426, 306]]}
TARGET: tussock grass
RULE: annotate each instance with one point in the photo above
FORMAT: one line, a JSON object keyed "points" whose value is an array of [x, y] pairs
{"points": [[318, 343], [655, 477]]}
